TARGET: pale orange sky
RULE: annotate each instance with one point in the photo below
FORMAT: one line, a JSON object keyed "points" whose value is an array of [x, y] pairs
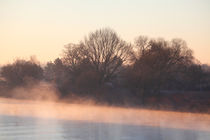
{"points": [[43, 27]]}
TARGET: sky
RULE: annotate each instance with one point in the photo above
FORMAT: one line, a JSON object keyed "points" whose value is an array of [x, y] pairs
{"points": [[41, 28]]}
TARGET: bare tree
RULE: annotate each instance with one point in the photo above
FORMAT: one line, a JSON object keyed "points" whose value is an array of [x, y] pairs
{"points": [[180, 52], [106, 51], [161, 63], [141, 44], [73, 55], [103, 49]]}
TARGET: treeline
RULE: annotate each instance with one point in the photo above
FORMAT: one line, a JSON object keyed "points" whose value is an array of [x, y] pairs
{"points": [[108, 69]]}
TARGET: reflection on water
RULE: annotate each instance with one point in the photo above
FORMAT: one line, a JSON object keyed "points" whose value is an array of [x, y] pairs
{"points": [[21, 128]]}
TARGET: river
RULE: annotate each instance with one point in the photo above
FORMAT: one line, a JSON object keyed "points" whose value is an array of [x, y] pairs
{"points": [[23, 120]]}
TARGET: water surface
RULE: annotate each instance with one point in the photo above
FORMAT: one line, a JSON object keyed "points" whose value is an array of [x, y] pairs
{"points": [[22, 120]]}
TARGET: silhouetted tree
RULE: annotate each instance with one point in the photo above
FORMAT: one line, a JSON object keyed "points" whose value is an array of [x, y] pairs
{"points": [[103, 50], [21, 72], [141, 44], [73, 56], [159, 63], [57, 73]]}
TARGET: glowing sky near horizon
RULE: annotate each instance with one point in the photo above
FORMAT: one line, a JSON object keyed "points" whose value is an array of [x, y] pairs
{"points": [[43, 27]]}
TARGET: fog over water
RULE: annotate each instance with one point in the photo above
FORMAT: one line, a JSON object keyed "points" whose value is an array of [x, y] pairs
{"points": [[24, 119]]}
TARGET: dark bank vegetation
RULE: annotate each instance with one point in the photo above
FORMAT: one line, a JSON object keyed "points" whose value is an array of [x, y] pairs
{"points": [[103, 67]]}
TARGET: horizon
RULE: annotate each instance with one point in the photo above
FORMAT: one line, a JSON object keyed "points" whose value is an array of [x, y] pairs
{"points": [[42, 28]]}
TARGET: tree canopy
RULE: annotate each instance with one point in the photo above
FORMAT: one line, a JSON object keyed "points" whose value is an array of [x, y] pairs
{"points": [[103, 50]]}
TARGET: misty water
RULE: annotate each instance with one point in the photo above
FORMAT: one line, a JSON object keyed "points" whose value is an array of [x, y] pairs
{"points": [[16, 124], [21, 128]]}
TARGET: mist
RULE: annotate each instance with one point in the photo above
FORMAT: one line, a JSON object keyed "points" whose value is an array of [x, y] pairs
{"points": [[56, 109], [42, 101]]}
